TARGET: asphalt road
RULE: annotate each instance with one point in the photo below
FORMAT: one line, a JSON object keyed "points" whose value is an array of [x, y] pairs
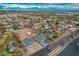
{"points": [[71, 50]]}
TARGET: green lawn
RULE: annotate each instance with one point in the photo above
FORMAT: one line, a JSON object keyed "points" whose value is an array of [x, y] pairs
{"points": [[3, 47], [4, 51]]}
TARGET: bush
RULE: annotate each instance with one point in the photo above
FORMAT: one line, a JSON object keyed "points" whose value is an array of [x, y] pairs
{"points": [[53, 37]]}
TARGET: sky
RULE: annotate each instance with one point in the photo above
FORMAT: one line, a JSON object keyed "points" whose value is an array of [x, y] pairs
{"points": [[69, 7]]}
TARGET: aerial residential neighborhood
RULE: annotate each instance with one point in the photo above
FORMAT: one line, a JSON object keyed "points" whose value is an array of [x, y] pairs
{"points": [[36, 33]]}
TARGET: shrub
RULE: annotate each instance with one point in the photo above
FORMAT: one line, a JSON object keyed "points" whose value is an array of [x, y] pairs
{"points": [[53, 37]]}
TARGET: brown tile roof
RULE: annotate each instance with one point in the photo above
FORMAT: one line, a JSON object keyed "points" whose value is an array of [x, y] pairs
{"points": [[24, 33]]}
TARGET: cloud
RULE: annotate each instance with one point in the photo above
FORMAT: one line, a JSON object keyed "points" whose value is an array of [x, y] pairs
{"points": [[41, 6]]}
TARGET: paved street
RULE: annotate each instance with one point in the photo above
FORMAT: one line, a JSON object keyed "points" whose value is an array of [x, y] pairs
{"points": [[71, 50]]}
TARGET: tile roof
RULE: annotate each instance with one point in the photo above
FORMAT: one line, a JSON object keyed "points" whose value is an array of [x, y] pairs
{"points": [[24, 33], [26, 36]]}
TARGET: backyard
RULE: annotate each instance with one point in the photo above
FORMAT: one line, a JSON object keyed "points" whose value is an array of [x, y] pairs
{"points": [[4, 51]]}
